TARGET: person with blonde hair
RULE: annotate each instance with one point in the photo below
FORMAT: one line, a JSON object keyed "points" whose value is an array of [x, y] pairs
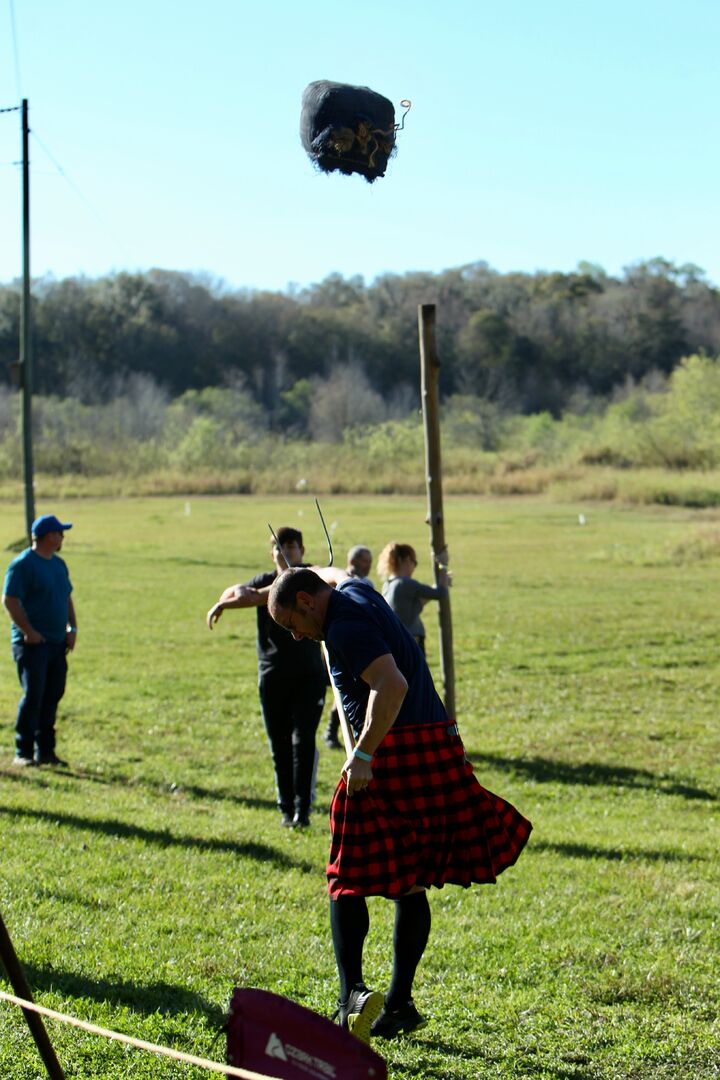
{"points": [[406, 596]]}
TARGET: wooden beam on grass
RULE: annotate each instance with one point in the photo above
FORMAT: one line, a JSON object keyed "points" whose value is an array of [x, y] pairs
{"points": [[429, 380]]}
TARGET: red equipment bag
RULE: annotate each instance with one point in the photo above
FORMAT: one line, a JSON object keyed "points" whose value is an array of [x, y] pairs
{"points": [[268, 1034]]}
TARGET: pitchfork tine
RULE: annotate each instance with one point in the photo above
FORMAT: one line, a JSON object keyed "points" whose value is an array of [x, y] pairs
{"points": [[327, 534], [278, 545]]}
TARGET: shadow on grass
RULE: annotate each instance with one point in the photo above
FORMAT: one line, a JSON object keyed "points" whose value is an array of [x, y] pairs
{"points": [[251, 802], [591, 774], [593, 851], [163, 838], [156, 997], [425, 1069]]}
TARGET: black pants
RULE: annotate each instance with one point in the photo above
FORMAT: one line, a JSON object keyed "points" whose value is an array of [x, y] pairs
{"points": [[292, 707], [42, 670]]}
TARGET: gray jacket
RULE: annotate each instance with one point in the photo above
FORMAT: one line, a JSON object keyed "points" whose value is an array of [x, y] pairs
{"points": [[407, 597]]}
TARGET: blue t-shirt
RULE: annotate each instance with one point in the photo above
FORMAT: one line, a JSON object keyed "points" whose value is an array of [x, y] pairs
{"points": [[277, 650], [360, 627], [43, 588]]}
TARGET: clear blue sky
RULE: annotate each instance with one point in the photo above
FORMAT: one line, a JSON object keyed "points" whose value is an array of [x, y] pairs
{"points": [[540, 134]]}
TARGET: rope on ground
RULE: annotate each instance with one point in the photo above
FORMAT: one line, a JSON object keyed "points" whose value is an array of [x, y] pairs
{"points": [[140, 1044]]}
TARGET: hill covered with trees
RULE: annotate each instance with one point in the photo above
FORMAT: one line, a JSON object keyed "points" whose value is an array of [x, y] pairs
{"points": [[527, 342], [175, 377]]}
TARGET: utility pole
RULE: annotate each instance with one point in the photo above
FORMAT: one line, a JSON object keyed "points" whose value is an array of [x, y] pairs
{"points": [[26, 372]]}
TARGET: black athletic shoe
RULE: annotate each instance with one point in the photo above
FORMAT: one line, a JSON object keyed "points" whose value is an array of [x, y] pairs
{"points": [[392, 1022], [286, 820], [331, 741], [301, 821], [50, 759], [359, 1012]]}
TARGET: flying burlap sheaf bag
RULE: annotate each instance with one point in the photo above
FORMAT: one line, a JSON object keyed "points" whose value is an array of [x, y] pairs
{"points": [[349, 129]]}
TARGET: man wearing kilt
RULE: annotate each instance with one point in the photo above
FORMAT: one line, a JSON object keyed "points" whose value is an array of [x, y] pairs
{"points": [[408, 812]]}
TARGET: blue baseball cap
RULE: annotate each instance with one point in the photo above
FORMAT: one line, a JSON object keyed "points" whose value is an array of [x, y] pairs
{"points": [[48, 523]]}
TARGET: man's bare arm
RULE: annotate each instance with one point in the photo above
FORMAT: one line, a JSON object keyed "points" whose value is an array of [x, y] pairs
{"points": [[331, 575], [388, 688], [237, 596]]}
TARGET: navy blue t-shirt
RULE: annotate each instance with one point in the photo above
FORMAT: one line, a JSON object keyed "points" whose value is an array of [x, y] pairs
{"points": [[359, 627], [43, 588], [277, 650]]}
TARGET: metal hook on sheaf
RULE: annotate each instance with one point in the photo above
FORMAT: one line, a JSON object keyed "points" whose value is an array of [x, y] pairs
{"points": [[407, 106], [366, 134]]}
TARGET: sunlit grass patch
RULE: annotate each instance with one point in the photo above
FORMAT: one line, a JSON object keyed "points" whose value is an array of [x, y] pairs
{"points": [[151, 877]]}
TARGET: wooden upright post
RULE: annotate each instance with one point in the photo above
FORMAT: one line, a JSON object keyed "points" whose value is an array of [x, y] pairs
{"points": [[429, 377], [19, 984]]}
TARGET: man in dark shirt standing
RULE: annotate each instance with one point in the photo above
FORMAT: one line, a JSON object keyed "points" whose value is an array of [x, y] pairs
{"points": [[408, 812], [292, 684]]}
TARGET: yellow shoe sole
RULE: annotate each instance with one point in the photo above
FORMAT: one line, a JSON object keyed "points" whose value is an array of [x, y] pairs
{"points": [[359, 1024]]}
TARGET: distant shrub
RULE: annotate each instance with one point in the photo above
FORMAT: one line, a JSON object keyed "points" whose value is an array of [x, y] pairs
{"points": [[661, 439], [472, 421]]}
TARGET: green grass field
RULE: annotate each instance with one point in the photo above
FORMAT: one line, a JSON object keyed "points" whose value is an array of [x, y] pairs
{"points": [[150, 878]]}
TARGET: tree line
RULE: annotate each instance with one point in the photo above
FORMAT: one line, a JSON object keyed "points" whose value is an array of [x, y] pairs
{"points": [[526, 343]]}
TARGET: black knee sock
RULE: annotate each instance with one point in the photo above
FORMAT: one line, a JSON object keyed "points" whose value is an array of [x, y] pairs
{"points": [[349, 924], [412, 929]]}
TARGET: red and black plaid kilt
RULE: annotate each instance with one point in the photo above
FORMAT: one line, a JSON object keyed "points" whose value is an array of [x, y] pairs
{"points": [[423, 820]]}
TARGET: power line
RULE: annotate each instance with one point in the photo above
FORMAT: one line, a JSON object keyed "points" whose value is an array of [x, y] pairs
{"points": [[101, 220], [62, 172], [18, 80]]}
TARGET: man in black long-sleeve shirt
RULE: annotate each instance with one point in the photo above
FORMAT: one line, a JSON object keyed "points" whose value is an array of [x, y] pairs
{"points": [[292, 684]]}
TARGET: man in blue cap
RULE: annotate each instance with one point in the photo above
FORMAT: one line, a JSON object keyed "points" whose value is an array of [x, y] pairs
{"points": [[37, 596]]}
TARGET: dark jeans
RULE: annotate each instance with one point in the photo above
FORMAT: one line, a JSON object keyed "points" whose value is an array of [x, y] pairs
{"points": [[292, 707], [42, 670]]}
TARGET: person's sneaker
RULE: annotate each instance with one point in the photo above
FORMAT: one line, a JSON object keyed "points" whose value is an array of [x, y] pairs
{"points": [[301, 821], [50, 759], [22, 762], [331, 741], [359, 1012], [392, 1022], [286, 820]]}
